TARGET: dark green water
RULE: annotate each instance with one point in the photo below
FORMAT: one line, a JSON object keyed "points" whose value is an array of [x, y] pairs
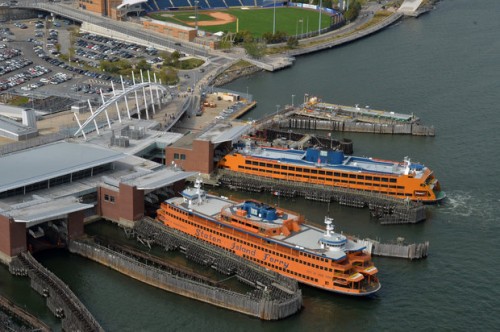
{"points": [[445, 68]]}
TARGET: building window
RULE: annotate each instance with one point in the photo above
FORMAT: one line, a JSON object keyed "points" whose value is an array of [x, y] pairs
{"points": [[183, 156], [176, 156], [109, 198]]}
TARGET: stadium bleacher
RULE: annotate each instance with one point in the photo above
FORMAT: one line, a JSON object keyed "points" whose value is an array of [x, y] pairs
{"points": [[216, 4], [248, 3], [233, 3], [161, 5], [182, 3]]}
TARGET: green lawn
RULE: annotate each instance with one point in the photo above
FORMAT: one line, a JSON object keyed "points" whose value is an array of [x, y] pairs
{"points": [[259, 21]]}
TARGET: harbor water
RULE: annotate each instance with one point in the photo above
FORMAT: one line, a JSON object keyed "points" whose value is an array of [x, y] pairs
{"points": [[444, 67]]}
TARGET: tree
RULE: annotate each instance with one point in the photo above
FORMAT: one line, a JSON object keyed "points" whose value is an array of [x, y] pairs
{"points": [[243, 36], [143, 65], [353, 11], [168, 76], [255, 49], [292, 42]]}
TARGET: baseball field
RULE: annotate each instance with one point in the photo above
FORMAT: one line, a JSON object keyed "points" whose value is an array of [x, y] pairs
{"points": [[256, 20]]}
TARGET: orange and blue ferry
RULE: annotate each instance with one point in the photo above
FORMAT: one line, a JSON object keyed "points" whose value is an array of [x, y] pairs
{"points": [[330, 167], [275, 238]]}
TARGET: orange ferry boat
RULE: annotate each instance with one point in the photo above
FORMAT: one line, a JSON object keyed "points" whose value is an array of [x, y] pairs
{"points": [[404, 180], [275, 238]]}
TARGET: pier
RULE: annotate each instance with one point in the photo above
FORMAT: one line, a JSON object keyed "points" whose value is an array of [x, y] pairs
{"points": [[61, 301], [387, 209], [314, 115], [273, 297]]}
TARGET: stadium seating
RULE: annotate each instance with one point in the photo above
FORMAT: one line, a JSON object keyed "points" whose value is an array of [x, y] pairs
{"points": [[234, 3], [248, 3], [217, 4], [163, 4], [182, 3], [160, 5]]}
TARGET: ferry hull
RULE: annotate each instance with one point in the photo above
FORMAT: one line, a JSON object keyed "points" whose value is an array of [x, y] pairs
{"points": [[290, 262]]}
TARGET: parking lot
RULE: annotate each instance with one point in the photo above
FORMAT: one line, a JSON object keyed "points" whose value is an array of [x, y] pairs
{"points": [[34, 43]]}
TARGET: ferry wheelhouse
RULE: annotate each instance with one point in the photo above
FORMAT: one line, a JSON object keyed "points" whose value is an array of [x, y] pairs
{"points": [[275, 238], [404, 180]]}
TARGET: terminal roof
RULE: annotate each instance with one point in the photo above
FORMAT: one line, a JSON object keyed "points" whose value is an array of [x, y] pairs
{"points": [[224, 133], [41, 210], [50, 161]]}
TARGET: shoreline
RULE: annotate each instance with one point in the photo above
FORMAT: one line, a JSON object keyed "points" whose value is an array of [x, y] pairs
{"points": [[362, 27]]}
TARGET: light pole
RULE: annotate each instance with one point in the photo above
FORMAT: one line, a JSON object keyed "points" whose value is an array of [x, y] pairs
{"points": [[196, 16], [320, 10], [293, 96], [274, 18], [277, 109]]}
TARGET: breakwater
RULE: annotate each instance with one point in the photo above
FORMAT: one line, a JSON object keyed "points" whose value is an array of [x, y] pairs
{"points": [[387, 209], [274, 297], [61, 301]]}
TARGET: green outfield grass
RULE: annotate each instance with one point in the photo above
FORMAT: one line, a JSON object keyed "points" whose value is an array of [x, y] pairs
{"points": [[257, 21]]}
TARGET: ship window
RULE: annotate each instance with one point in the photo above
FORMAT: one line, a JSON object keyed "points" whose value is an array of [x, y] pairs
{"points": [[283, 167], [248, 162], [352, 176], [307, 170], [400, 187], [393, 180], [385, 180], [291, 168], [344, 175], [314, 171], [329, 173], [298, 169], [262, 164], [269, 165], [376, 178], [337, 174], [361, 177], [369, 178], [321, 172], [276, 165]]}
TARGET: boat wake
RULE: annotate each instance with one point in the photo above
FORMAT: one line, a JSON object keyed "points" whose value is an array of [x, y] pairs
{"points": [[465, 204]]}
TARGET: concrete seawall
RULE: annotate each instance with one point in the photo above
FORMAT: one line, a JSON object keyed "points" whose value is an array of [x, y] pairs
{"points": [[355, 35]]}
